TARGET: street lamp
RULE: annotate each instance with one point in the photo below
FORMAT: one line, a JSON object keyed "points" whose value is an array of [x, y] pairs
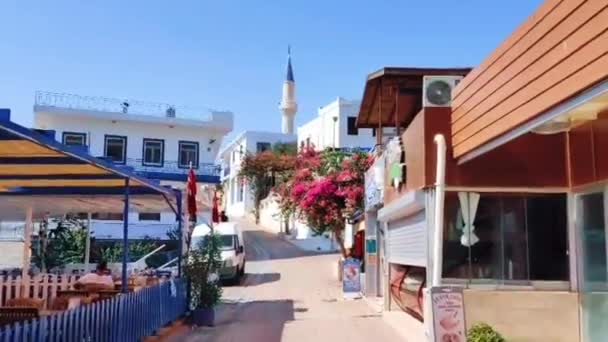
{"points": [[335, 118]]}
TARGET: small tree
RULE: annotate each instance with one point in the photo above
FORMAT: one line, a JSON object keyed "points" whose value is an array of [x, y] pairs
{"points": [[262, 170], [201, 269], [60, 246]]}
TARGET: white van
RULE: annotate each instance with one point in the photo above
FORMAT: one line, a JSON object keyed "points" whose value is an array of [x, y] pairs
{"points": [[233, 251]]}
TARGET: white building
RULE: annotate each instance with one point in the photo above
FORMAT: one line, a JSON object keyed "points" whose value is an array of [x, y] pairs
{"points": [[158, 141], [336, 127], [238, 199]]}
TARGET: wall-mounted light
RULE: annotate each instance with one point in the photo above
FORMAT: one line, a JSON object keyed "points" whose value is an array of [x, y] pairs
{"points": [[211, 141]]}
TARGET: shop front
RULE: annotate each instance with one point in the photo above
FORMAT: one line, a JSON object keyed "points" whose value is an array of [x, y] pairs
{"points": [[544, 89]]}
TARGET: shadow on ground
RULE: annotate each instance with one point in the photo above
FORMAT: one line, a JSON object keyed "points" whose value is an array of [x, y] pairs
{"points": [[261, 321], [262, 245], [253, 279]]}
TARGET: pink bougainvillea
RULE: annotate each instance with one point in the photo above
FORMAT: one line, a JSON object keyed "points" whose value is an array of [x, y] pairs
{"points": [[323, 193]]}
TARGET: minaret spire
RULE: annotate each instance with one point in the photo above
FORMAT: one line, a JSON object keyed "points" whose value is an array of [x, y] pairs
{"points": [[288, 105], [289, 68]]}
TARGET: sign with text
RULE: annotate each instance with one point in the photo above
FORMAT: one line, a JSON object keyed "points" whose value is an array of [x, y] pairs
{"points": [[351, 279], [448, 314]]}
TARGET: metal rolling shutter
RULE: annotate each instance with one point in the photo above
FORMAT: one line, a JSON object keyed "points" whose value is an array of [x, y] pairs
{"points": [[407, 240]]}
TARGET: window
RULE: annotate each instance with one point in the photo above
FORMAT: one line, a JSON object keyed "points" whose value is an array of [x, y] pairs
{"points": [[107, 216], [74, 139], [153, 152], [517, 238], [352, 126], [240, 191], [149, 216], [373, 132], [116, 148], [188, 153], [263, 146]]}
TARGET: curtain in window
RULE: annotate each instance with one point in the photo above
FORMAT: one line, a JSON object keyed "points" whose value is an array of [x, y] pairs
{"points": [[469, 202]]}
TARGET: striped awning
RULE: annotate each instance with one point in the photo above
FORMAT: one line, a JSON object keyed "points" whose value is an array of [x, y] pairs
{"points": [[35, 166]]}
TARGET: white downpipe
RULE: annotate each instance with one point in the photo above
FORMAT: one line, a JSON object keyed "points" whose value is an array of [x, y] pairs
{"points": [[437, 261]]}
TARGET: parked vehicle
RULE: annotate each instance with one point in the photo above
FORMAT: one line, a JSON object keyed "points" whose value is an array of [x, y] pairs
{"points": [[232, 248]]}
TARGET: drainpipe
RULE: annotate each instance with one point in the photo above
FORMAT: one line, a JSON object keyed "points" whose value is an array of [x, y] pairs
{"points": [[437, 259]]}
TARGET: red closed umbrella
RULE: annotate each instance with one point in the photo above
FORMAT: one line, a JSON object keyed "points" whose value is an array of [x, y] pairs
{"points": [[191, 189], [215, 213]]}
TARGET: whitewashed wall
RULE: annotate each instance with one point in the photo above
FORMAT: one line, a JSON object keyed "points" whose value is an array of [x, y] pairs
{"points": [[321, 129], [96, 130]]}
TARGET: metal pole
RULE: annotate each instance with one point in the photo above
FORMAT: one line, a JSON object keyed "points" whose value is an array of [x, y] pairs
{"points": [[180, 247], [27, 245], [87, 247], [125, 239]]}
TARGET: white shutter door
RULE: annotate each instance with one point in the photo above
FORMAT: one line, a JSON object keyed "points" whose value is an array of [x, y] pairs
{"points": [[407, 240]]}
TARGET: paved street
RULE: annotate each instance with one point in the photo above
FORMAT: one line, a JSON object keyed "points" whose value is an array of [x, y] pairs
{"points": [[290, 296]]}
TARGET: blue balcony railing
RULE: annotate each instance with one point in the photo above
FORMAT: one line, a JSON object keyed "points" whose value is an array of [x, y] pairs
{"points": [[172, 170], [129, 317], [206, 169]]}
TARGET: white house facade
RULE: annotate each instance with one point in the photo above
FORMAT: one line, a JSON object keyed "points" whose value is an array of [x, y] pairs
{"points": [[336, 127], [238, 200], [157, 141]]}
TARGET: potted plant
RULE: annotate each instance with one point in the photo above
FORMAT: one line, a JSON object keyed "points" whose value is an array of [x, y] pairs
{"points": [[481, 332], [202, 270]]}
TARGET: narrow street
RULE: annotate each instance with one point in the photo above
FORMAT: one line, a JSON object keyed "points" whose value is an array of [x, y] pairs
{"points": [[290, 296]]}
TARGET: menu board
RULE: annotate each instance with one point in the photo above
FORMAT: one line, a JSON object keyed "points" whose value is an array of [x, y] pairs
{"points": [[448, 314], [351, 279]]}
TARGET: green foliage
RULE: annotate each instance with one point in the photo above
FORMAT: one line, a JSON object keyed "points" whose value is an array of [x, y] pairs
{"points": [[63, 245], [137, 249], [331, 161], [202, 270], [482, 332], [290, 149]]}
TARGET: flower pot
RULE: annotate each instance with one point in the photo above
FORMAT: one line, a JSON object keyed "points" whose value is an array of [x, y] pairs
{"points": [[203, 317]]}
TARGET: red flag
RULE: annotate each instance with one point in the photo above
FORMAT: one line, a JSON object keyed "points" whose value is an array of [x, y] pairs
{"points": [[191, 188], [215, 213]]}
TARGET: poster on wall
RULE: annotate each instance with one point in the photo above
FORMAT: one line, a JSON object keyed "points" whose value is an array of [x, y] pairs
{"points": [[351, 279], [448, 314]]}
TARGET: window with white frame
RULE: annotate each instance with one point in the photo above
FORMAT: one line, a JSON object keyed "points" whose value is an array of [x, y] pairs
{"points": [[352, 126], [153, 152], [115, 147], [188, 153], [74, 139]]}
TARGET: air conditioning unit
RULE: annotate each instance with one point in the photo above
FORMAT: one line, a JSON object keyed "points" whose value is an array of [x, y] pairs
{"points": [[437, 90]]}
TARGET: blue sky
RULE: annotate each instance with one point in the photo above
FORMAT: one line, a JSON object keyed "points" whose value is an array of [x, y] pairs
{"points": [[231, 54]]}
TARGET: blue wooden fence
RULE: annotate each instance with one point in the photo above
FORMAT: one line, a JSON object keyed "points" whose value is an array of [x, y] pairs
{"points": [[125, 318]]}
